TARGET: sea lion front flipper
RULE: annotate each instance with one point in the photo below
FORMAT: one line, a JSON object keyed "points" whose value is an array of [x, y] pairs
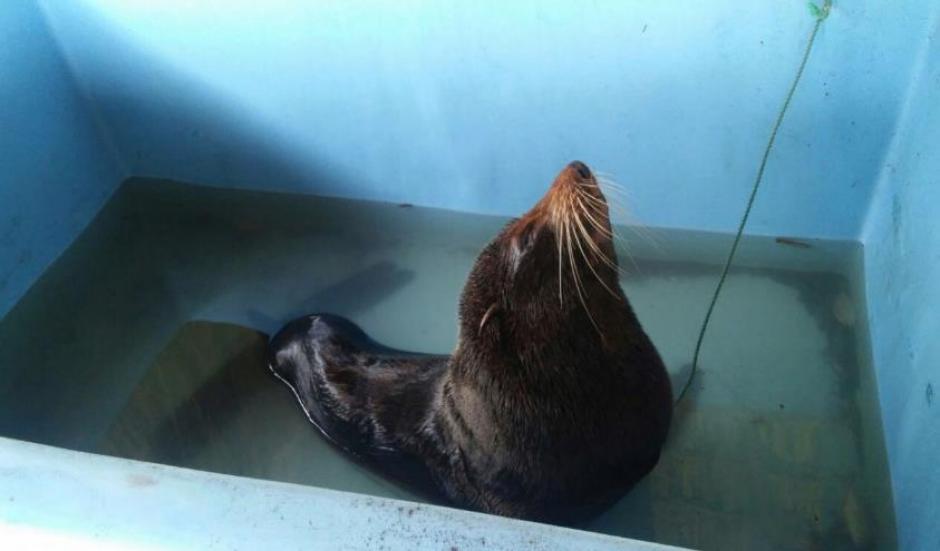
{"points": [[368, 399]]}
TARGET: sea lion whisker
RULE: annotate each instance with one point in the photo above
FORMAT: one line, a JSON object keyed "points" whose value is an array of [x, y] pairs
{"points": [[604, 181], [570, 250], [597, 201], [588, 261], [614, 205], [595, 224], [614, 196], [577, 280], [625, 246], [611, 206], [600, 206], [617, 198], [610, 233], [609, 189], [594, 221], [600, 254]]}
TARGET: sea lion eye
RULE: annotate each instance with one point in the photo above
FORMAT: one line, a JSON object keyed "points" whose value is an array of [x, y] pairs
{"points": [[521, 245]]}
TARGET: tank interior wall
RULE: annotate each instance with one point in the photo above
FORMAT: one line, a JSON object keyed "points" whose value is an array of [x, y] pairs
{"points": [[56, 166], [902, 271], [476, 106]]}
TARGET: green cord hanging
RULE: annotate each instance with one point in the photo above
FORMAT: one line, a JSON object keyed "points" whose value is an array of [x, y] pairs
{"points": [[820, 13]]}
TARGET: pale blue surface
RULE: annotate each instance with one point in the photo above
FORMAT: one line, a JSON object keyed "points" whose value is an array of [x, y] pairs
{"points": [[55, 169], [475, 107], [902, 266], [97, 501]]}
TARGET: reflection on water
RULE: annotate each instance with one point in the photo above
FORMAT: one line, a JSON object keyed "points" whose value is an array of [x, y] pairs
{"points": [[778, 445]]}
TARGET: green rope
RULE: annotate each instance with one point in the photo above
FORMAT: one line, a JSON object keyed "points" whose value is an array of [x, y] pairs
{"points": [[820, 14]]}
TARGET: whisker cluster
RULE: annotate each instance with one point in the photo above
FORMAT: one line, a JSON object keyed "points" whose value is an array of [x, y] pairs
{"points": [[575, 211], [617, 197]]}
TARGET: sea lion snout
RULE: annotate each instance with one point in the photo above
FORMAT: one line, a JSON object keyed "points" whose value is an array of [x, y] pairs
{"points": [[580, 169]]}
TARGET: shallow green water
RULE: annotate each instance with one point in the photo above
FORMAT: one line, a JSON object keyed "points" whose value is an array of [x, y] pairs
{"points": [[778, 445]]}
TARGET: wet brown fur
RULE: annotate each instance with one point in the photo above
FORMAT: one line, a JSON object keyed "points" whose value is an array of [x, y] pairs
{"points": [[555, 402]]}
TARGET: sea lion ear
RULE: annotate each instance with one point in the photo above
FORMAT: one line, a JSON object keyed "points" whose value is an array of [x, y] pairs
{"points": [[487, 316]]}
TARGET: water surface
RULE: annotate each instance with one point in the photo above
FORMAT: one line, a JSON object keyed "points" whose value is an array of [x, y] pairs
{"points": [[778, 446]]}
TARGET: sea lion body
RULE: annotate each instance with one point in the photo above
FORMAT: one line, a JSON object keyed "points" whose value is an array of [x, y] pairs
{"points": [[555, 402]]}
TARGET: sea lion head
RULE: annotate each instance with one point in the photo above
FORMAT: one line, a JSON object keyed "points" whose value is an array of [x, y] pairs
{"points": [[551, 274]]}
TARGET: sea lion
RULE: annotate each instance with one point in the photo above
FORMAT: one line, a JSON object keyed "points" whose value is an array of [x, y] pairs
{"points": [[555, 401]]}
